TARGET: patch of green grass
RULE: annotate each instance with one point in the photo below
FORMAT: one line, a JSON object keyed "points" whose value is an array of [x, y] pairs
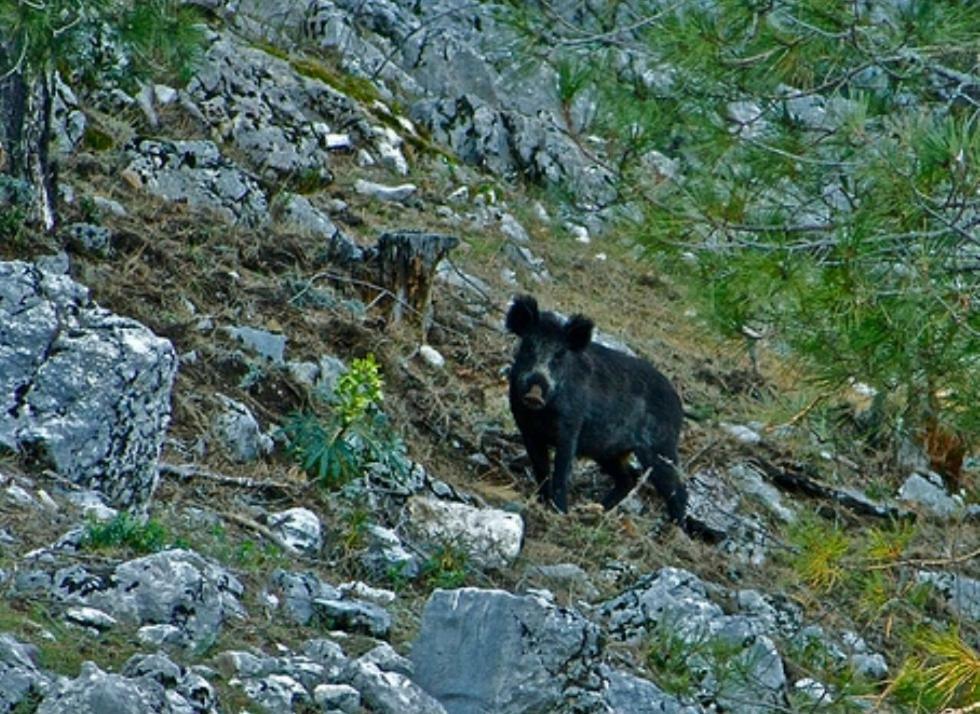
{"points": [[448, 568], [62, 647], [94, 139], [125, 531], [357, 88], [246, 554]]}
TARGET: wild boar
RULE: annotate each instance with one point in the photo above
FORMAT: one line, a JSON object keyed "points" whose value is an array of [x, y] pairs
{"points": [[584, 399]]}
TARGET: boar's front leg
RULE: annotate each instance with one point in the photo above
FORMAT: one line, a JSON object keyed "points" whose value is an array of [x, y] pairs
{"points": [[564, 457], [537, 452]]}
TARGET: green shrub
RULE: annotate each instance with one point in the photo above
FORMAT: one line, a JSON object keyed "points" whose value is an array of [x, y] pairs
{"points": [[354, 434], [125, 531], [447, 567]]}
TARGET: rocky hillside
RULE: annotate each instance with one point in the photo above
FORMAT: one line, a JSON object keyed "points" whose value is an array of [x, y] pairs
{"points": [[255, 447]]}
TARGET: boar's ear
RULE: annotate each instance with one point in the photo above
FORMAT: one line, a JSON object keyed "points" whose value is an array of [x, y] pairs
{"points": [[578, 332], [522, 314]]}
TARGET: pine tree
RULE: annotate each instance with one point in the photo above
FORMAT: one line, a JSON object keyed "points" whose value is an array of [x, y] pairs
{"points": [[82, 41], [828, 186]]}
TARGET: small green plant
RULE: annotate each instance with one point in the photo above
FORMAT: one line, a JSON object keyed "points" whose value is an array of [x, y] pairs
{"points": [[355, 433], [667, 658], [15, 195], [821, 549], [125, 531], [164, 34], [682, 663], [353, 538], [446, 568], [97, 140], [943, 672]]}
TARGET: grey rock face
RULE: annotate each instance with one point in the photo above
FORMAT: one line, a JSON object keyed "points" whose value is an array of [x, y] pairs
{"points": [[390, 692], [470, 95], [239, 432], [301, 213], [627, 694], [389, 194], [737, 661], [91, 239], [20, 679], [68, 121], [195, 173], [298, 527], [354, 616], [175, 589], [83, 389], [278, 116], [715, 507], [267, 344], [488, 650], [928, 493], [337, 697], [299, 590], [386, 554], [96, 692], [962, 593], [492, 538], [183, 685]]}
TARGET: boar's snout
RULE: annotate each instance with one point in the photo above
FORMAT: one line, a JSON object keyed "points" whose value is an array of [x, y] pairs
{"points": [[534, 397]]}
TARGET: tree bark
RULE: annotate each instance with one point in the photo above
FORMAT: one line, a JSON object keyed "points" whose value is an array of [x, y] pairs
{"points": [[406, 265], [25, 134]]}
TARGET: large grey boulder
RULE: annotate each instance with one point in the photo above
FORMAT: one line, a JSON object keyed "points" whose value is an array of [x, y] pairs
{"points": [[490, 651], [490, 537], [732, 656], [281, 116], [98, 692], [196, 173], [20, 678], [176, 592], [82, 390]]}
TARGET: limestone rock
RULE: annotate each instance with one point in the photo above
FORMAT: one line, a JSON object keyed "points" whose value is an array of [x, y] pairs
{"points": [[492, 538], [487, 650], [85, 391]]}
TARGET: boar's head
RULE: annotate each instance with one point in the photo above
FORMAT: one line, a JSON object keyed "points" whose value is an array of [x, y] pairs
{"points": [[548, 351]]}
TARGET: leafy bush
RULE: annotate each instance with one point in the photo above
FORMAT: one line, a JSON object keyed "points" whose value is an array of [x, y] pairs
{"points": [[447, 567], [354, 434], [125, 531]]}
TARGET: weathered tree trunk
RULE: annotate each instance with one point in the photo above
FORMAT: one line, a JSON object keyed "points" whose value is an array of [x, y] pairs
{"points": [[406, 265], [25, 134]]}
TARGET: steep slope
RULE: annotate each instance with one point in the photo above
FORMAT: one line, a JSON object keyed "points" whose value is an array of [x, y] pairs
{"points": [[238, 217]]}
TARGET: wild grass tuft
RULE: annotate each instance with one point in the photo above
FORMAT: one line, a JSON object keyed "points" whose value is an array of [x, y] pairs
{"points": [[126, 531]]}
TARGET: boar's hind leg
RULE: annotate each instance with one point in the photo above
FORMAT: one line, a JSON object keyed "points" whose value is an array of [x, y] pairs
{"points": [[666, 478], [624, 475]]}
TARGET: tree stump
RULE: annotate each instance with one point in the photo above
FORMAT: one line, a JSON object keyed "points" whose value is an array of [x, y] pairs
{"points": [[406, 265], [25, 132]]}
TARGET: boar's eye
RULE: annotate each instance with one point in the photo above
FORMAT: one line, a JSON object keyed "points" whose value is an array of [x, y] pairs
{"points": [[559, 354]]}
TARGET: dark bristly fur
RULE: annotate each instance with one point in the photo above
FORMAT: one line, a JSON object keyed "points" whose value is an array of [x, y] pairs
{"points": [[583, 399]]}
